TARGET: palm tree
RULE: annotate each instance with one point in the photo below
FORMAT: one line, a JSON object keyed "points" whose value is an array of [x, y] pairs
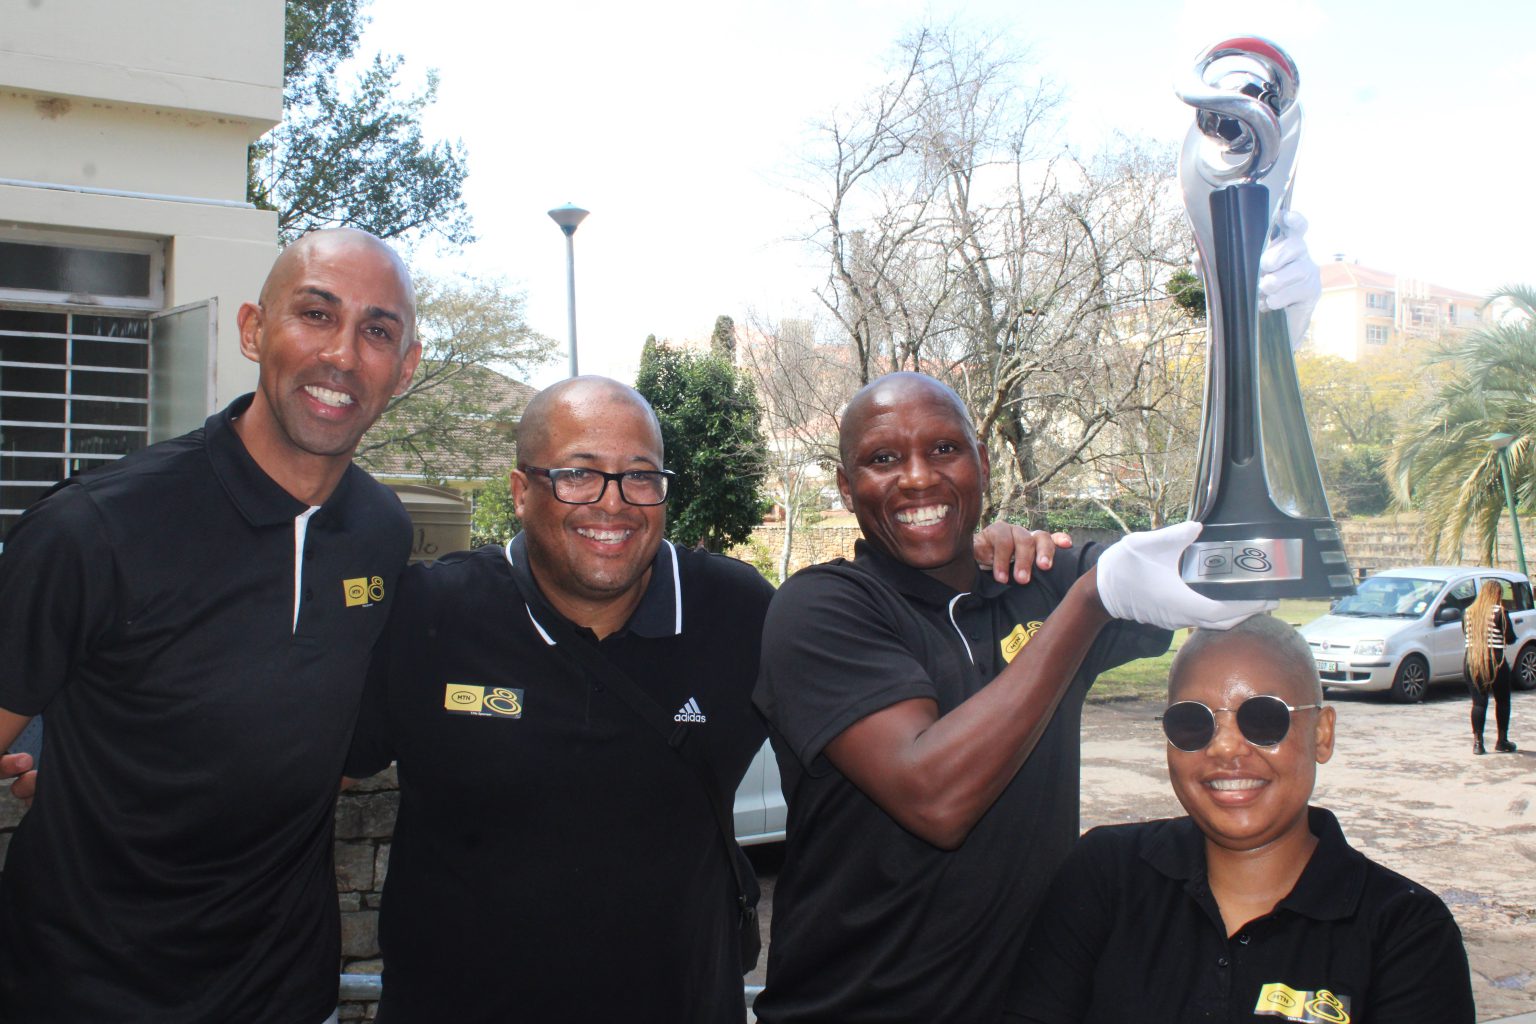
{"points": [[1444, 464]]}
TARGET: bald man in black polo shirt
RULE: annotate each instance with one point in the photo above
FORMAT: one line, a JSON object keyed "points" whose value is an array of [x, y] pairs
{"points": [[194, 621], [926, 723]]}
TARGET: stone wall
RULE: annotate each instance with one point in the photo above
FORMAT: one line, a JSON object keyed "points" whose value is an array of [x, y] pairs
{"points": [[365, 822], [1395, 541]]}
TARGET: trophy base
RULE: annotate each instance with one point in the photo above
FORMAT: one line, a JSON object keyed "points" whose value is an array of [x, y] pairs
{"points": [[1289, 558]]}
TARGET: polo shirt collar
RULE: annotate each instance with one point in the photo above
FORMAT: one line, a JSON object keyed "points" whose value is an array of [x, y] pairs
{"points": [[1331, 884], [259, 498], [659, 613], [915, 583], [1329, 888]]}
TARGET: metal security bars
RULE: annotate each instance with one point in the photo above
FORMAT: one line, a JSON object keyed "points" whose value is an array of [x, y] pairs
{"points": [[74, 393]]}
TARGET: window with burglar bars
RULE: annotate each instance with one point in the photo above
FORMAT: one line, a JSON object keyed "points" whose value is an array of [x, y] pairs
{"points": [[74, 393]]}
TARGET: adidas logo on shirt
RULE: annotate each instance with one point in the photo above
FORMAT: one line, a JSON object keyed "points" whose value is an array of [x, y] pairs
{"points": [[690, 712]]}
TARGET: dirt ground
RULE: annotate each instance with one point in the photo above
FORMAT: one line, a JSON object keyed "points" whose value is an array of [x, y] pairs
{"points": [[1409, 794]]}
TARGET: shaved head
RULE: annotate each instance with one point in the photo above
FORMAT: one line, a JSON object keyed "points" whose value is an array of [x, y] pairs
{"points": [[576, 394], [349, 242], [894, 390], [1276, 652]]}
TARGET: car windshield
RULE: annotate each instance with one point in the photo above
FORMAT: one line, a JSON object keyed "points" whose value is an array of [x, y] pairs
{"points": [[1390, 597]]}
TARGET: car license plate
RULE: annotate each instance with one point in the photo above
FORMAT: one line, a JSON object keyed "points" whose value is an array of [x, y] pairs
{"points": [[1327, 666]]}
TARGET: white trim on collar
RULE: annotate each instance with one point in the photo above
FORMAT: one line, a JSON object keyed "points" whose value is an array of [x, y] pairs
{"points": [[677, 594], [677, 589], [507, 550], [547, 638]]}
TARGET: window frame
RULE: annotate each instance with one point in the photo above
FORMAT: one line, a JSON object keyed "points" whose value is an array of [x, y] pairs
{"points": [[154, 248]]}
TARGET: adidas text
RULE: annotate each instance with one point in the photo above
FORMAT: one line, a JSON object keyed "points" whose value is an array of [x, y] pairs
{"points": [[690, 712]]}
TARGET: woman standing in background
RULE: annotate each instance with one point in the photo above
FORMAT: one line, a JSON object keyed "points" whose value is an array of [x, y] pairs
{"points": [[1488, 632]]}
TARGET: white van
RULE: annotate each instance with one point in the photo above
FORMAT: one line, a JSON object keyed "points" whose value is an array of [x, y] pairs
{"points": [[1401, 630]]}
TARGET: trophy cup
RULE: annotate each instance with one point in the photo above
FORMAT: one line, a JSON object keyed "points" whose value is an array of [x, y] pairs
{"points": [[1268, 532]]}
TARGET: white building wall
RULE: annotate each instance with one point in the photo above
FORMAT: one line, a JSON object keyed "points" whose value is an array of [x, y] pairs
{"points": [[132, 118]]}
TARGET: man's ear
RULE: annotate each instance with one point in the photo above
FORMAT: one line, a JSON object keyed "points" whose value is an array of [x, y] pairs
{"points": [[408, 367], [517, 480], [844, 489], [986, 468], [248, 319], [1324, 736]]}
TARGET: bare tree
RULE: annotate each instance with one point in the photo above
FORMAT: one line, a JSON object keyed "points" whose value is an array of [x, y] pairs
{"points": [[963, 242], [802, 384], [459, 414]]}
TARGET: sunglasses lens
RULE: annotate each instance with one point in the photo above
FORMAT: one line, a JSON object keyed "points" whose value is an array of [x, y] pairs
{"points": [[1189, 725], [1264, 721]]}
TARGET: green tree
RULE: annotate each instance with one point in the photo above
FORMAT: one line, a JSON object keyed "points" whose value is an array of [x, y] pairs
{"points": [[1188, 292], [458, 417], [709, 423], [1443, 463], [493, 519], [1353, 410], [723, 341], [353, 156]]}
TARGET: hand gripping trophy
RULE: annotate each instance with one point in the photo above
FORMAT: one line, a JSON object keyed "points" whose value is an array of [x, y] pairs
{"points": [[1268, 532]]}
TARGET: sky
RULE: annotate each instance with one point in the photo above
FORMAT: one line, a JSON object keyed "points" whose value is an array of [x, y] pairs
{"points": [[684, 126]]}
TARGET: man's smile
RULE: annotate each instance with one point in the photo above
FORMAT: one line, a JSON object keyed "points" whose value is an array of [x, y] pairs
{"points": [[925, 515]]}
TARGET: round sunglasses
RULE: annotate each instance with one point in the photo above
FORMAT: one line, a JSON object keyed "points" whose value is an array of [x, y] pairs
{"points": [[1264, 721]]}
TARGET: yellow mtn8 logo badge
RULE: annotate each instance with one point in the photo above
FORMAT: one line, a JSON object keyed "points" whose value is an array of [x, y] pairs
{"points": [[1320, 1007], [468, 699], [363, 591], [1014, 642]]}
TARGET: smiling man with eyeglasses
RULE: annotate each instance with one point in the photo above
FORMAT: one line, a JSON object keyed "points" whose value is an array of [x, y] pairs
{"points": [[555, 857], [1254, 907]]}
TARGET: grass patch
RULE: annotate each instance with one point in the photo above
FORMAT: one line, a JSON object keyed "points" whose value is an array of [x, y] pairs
{"points": [[1148, 677]]}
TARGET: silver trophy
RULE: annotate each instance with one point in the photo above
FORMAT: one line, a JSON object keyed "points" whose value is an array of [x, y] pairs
{"points": [[1268, 532]]}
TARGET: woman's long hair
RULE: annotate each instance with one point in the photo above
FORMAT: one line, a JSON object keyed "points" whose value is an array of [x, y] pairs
{"points": [[1480, 623]]}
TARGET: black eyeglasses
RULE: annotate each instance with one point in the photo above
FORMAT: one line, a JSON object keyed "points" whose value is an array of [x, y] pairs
{"points": [[581, 486], [1263, 720]]}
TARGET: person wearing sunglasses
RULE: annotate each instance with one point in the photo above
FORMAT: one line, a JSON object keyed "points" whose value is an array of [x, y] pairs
{"points": [[1253, 906]]}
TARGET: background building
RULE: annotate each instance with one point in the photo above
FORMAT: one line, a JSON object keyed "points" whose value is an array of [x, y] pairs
{"points": [[1364, 314], [126, 243]]}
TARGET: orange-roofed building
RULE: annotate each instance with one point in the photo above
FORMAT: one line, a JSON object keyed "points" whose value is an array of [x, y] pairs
{"points": [[1366, 314]]}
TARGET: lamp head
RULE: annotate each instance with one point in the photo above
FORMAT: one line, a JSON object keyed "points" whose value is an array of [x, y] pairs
{"points": [[568, 217]]}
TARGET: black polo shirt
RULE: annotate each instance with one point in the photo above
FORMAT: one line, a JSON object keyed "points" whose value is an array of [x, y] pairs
{"points": [[870, 922], [176, 864], [554, 860], [1130, 931]]}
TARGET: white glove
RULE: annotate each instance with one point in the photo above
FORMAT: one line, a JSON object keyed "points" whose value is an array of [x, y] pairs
{"points": [[1288, 279], [1139, 581]]}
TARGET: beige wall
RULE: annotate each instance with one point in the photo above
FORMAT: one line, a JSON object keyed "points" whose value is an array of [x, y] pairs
{"points": [[216, 56], [99, 144], [132, 118]]}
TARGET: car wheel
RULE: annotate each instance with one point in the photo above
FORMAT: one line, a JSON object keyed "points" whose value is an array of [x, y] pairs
{"points": [[1412, 680], [1525, 668]]}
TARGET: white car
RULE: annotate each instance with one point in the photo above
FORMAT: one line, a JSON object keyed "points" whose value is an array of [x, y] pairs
{"points": [[1401, 630], [760, 811]]}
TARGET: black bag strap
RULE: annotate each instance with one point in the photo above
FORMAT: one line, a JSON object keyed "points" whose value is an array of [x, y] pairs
{"points": [[673, 733]]}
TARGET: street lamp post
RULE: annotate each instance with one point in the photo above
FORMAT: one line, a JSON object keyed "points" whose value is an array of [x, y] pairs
{"points": [[568, 217], [1500, 442]]}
